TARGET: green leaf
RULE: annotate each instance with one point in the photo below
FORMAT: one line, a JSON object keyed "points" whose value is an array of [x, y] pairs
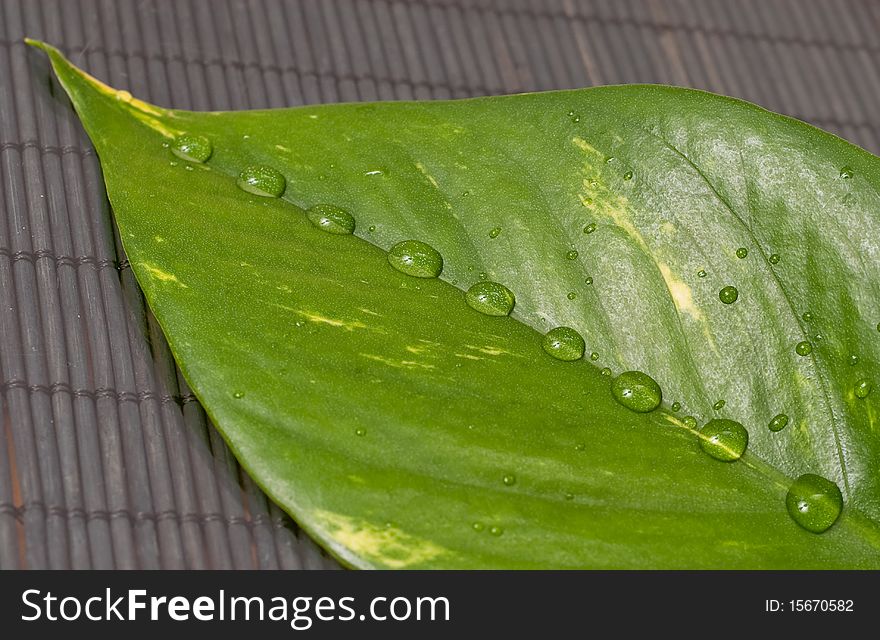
{"points": [[402, 428]]}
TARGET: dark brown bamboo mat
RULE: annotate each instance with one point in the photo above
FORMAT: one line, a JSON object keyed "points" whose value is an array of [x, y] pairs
{"points": [[106, 458]]}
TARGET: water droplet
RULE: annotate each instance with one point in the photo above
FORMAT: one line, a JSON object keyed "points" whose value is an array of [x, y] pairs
{"points": [[676, 406], [332, 219], [774, 258], [571, 295], [378, 171], [192, 147], [605, 371], [778, 422], [728, 294], [718, 406], [853, 360], [814, 502], [594, 356], [491, 298], [846, 172], [628, 175], [360, 431], [702, 273], [173, 163], [494, 233], [509, 479], [495, 530], [572, 255], [569, 496], [808, 317], [415, 258], [724, 439], [742, 252], [238, 395], [690, 422], [588, 280], [478, 526], [371, 228], [803, 348], [863, 388], [261, 180], [573, 116], [878, 326], [610, 159], [580, 446], [636, 391], [564, 343], [590, 228], [123, 96]]}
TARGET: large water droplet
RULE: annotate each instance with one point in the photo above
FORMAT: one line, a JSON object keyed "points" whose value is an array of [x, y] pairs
{"points": [[863, 388], [723, 439], [814, 502], [778, 422], [728, 294], [332, 219], [637, 391], [415, 258], [803, 348], [491, 298], [261, 180], [564, 343], [494, 233], [192, 147]]}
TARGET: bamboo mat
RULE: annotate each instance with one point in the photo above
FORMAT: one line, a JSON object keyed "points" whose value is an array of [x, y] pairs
{"points": [[106, 458]]}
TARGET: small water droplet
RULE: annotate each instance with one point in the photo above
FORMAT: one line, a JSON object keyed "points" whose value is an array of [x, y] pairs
{"points": [[610, 159], [594, 356], [238, 395], [415, 258], [571, 295], [564, 343], [778, 422], [702, 273], [588, 280], [863, 388], [495, 530], [718, 406], [509, 479], [853, 360], [590, 228], [192, 147], [690, 422], [728, 294], [483, 275], [636, 391], [378, 171], [494, 233], [803, 348], [572, 255], [605, 371], [262, 180], [814, 502], [188, 167], [808, 316], [574, 117], [491, 298], [742, 252], [723, 439], [676, 406], [580, 446], [371, 228], [332, 219], [173, 163], [774, 258], [628, 175], [478, 526], [846, 172], [360, 431]]}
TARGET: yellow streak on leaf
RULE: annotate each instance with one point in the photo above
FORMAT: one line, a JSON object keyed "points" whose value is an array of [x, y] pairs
{"points": [[348, 325], [397, 364], [384, 545], [162, 276]]}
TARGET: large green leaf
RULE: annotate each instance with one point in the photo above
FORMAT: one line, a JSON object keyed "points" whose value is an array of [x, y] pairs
{"points": [[401, 428]]}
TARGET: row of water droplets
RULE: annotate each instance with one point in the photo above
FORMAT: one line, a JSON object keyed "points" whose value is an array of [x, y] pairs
{"points": [[814, 502]]}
